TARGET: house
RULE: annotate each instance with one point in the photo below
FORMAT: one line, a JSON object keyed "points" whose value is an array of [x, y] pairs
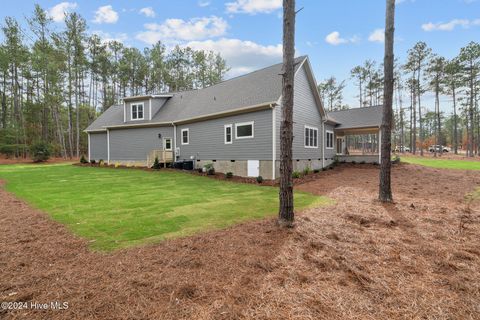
{"points": [[234, 124]]}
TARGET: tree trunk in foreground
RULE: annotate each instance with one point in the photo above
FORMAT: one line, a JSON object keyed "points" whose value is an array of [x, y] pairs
{"points": [[385, 190], [285, 214]]}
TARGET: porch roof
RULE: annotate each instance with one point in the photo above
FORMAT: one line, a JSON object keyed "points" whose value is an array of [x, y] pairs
{"points": [[358, 119]]}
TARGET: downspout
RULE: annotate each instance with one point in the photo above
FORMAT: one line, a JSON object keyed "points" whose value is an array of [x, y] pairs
{"points": [[274, 140], [88, 134], [174, 142], [108, 146], [323, 144]]}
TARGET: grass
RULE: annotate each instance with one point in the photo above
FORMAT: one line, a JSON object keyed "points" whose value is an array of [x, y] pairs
{"points": [[444, 163], [121, 208]]}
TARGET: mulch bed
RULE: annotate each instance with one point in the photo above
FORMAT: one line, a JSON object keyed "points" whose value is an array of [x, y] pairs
{"points": [[357, 259]]}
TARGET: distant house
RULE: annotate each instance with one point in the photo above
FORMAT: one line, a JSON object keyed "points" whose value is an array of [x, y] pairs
{"points": [[234, 124]]}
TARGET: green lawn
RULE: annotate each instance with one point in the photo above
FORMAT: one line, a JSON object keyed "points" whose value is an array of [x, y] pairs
{"points": [[121, 208], [443, 163]]}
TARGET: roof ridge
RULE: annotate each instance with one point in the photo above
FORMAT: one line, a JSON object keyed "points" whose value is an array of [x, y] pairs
{"points": [[300, 58], [357, 108]]}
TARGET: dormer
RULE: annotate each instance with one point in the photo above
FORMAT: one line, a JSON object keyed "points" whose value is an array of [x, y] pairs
{"points": [[142, 108]]}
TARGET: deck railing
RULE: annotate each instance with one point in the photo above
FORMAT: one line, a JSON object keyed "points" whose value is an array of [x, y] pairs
{"points": [[164, 156]]}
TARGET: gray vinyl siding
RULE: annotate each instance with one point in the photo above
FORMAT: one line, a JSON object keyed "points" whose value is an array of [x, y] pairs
{"points": [[330, 153], [134, 144], [305, 112], [98, 146], [207, 140], [157, 103], [128, 108]]}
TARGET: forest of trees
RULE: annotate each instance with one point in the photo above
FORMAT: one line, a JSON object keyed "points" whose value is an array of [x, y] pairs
{"points": [[54, 84], [419, 124]]}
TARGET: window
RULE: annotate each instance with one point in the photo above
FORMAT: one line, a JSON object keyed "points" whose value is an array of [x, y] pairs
{"points": [[329, 139], [244, 130], [228, 134], [311, 137], [137, 111], [185, 136], [167, 144]]}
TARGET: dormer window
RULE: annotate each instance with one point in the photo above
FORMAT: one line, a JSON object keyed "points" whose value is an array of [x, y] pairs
{"points": [[137, 111]]}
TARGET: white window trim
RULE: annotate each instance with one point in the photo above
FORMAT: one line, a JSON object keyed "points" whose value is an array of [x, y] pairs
{"points": [[225, 133], [314, 128], [326, 140], [164, 144], [188, 136], [131, 111], [252, 123]]}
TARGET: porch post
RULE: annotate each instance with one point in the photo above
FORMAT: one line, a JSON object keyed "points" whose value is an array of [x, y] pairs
{"points": [[379, 146]]}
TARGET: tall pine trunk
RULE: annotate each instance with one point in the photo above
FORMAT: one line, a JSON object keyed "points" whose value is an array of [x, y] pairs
{"points": [[455, 125], [385, 189], [285, 214]]}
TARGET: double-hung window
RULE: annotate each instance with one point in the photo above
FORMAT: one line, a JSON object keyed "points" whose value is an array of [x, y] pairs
{"points": [[311, 137], [185, 136], [244, 130], [329, 141], [228, 134], [137, 111]]}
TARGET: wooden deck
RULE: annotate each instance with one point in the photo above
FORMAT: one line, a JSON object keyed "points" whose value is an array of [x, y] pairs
{"points": [[163, 156]]}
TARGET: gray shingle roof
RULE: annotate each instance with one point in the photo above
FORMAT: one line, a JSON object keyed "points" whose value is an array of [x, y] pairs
{"points": [[357, 117], [258, 87]]}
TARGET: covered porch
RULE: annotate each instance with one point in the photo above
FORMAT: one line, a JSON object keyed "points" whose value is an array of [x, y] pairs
{"points": [[358, 145], [357, 134]]}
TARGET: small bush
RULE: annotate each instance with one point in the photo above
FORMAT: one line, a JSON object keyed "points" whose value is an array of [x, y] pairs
{"points": [[101, 162], [83, 160], [316, 171], [354, 162], [324, 169], [156, 164], [40, 151], [396, 159], [362, 162], [92, 161], [296, 174], [228, 175], [259, 179], [306, 171], [209, 169], [117, 165]]}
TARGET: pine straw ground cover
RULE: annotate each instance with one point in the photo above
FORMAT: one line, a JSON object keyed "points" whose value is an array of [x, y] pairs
{"points": [[357, 259]]}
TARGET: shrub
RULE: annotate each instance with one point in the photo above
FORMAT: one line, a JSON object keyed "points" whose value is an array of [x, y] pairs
{"points": [[396, 159], [209, 169], [296, 174], [306, 171], [228, 175], [362, 162], [316, 171], [324, 169], [156, 164], [83, 160], [354, 162], [40, 151], [259, 179], [101, 162], [92, 161], [117, 165]]}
